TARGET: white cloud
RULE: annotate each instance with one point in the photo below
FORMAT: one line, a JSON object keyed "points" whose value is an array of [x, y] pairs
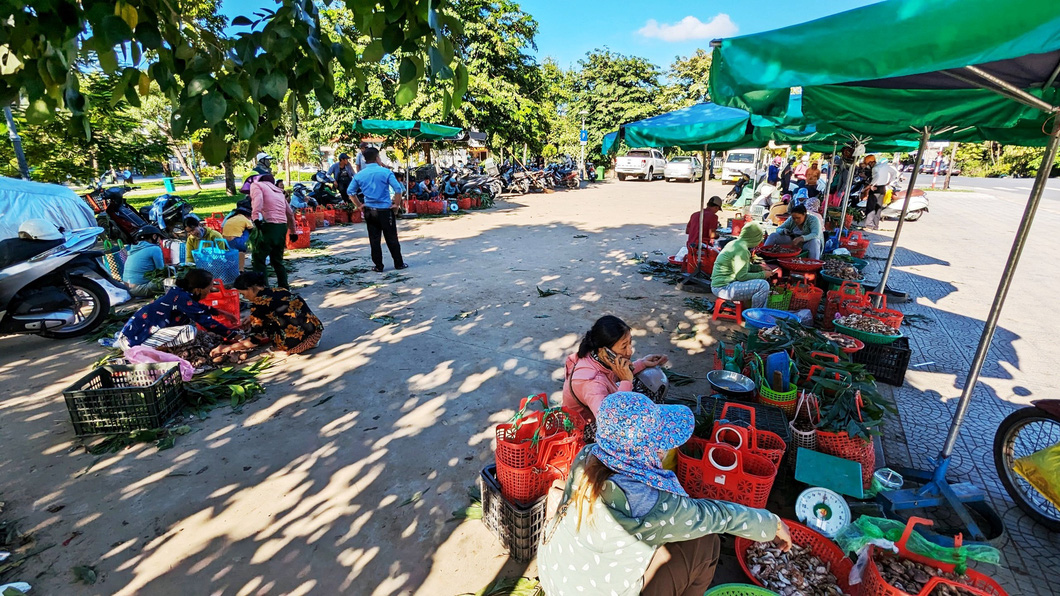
{"points": [[690, 28]]}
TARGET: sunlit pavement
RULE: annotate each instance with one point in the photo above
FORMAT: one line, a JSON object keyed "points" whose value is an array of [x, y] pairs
{"points": [[299, 493]]}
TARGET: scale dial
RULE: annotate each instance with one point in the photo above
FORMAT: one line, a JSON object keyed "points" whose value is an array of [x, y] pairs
{"points": [[822, 510]]}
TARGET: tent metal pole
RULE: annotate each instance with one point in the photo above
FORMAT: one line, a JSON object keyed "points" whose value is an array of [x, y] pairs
{"points": [[1018, 94], [846, 197], [1002, 289], [831, 174], [702, 205], [905, 209]]}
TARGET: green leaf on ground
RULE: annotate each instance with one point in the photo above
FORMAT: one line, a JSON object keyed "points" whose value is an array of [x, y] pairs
{"points": [[678, 379], [415, 497], [464, 315], [323, 401]]}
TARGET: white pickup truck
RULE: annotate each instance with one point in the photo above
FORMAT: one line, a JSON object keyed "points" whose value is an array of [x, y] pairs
{"points": [[647, 164]]}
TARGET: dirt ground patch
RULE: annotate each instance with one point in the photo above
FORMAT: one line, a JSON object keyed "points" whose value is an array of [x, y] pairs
{"points": [[307, 489]]}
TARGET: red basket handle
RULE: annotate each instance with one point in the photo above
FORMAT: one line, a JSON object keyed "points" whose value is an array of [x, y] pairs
{"points": [[824, 356], [881, 296], [929, 588], [220, 285], [524, 404], [846, 286], [909, 526], [751, 410], [708, 457], [747, 438], [855, 236]]}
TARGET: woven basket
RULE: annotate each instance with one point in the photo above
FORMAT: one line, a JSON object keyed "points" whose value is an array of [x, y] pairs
{"points": [[807, 439]]}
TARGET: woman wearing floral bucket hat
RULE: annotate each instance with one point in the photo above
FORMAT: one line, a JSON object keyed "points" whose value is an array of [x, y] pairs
{"points": [[625, 526]]}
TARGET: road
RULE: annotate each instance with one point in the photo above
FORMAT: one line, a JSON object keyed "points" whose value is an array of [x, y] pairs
{"points": [[344, 476], [1008, 189]]}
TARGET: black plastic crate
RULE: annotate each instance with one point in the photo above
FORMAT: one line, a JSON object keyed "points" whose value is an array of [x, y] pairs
{"points": [[517, 527], [121, 398], [887, 362], [767, 417]]}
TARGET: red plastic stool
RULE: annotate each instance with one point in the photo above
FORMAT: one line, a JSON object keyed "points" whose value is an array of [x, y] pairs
{"points": [[728, 310]]}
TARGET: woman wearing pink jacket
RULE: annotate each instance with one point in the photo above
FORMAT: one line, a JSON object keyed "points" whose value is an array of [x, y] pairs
{"points": [[602, 365]]}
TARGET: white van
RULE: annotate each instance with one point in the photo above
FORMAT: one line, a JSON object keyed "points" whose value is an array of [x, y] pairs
{"points": [[737, 162]]}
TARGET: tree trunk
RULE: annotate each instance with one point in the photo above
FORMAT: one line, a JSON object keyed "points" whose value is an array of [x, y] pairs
{"points": [[287, 159], [230, 174], [183, 161]]}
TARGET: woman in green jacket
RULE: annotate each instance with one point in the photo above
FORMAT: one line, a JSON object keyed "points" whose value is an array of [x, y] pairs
{"points": [[733, 277], [625, 526]]}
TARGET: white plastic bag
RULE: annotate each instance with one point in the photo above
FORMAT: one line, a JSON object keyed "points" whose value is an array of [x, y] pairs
{"points": [[144, 354]]}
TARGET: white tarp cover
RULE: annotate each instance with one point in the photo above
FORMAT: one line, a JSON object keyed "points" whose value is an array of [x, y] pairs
{"points": [[21, 200]]}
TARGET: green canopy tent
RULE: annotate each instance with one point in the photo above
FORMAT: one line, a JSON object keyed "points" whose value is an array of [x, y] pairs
{"points": [[962, 68], [410, 130]]}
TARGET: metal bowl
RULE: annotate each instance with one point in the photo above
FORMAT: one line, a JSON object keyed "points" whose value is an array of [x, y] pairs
{"points": [[731, 384]]}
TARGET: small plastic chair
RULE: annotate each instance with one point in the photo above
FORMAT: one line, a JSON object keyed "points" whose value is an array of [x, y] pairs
{"points": [[728, 310]]}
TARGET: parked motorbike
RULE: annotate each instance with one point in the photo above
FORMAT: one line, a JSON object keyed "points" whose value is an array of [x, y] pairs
{"points": [[168, 213], [322, 190], [918, 206], [590, 171], [60, 293], [120, 220], [1024, 432]]}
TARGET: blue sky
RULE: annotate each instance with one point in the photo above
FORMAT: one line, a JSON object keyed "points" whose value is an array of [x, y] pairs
{"points": [[657, 30]]}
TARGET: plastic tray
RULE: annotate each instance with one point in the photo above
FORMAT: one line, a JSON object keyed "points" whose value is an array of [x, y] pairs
{"points": [[812, 266], [764, 318], [121, 398], [517, 527], [887, 362]]}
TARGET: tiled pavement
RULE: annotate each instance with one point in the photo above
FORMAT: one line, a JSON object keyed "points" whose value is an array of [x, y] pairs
{"points": [[1018, 367]]}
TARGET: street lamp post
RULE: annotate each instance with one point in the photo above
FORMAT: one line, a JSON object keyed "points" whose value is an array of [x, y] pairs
{"points": [[583, 141]]}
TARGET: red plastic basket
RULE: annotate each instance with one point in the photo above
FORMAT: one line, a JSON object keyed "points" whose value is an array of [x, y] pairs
{"points": [[516, 444], [357, 217], [304, 219], [329, 216], [779, 252], [213, 223], [889, 316], [303, 239], [464, 203], [873, 584], [821, 547], [849, 448], [706, 260], [342, 216], [226, 301], [757, 442], [805, 266], [718, 471], [318, 216], [805, 296], [412, 206]]}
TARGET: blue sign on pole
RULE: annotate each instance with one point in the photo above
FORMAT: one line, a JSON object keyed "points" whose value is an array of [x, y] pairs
{"points": [[584, 137]]}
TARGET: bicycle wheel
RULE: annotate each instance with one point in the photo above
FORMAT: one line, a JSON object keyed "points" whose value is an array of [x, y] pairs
{"points": [[1022, 433]]}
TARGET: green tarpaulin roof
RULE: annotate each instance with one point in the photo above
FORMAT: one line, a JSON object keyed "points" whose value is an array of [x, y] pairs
{"points": [[913, 73], [411, 129], [722, 128]]}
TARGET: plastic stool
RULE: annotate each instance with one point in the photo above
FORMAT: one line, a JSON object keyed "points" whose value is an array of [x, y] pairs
{"points": [[728, 310]]}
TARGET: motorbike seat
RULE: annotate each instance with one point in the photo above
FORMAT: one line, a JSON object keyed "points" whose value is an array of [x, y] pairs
{"points": [[20, 250]]}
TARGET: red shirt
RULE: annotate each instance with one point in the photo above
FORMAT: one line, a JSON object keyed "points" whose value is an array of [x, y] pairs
{"points": [[710, 223]]}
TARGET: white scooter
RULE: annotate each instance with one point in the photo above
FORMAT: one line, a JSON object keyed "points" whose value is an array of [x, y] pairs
{"points": [[918, 206]]}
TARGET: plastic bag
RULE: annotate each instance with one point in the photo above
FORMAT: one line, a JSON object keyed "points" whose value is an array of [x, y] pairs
{"points": [[1042, 470], [868, 530], [144, 354]]}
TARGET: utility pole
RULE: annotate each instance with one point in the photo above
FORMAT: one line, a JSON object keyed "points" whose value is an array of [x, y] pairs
{"points": [[16, 142], [949, 168]]}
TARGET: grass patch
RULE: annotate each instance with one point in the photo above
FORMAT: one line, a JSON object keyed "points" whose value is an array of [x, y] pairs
{"points": [[206, 202]]}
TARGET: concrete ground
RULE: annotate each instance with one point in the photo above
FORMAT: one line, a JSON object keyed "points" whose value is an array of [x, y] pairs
{"points": [[344, 476]]}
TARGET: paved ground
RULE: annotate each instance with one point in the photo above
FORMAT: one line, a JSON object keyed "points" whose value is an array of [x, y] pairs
{"points": [[313, 488]]}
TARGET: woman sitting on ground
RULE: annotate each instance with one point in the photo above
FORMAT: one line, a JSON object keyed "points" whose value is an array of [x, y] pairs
{"points": [[276, 316], [626, 526], [601, 366], [734, 278], [170, 321]]}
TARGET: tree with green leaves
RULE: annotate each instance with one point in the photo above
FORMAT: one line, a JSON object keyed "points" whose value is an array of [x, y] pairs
{"points": [[229, 87], [614, 89], [689, 78]]}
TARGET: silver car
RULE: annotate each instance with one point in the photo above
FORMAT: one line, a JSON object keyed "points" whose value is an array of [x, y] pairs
{"points": [[683, 167]]}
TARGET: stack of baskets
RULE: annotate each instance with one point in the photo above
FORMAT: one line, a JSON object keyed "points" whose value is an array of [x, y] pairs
{"points": [[534, 449], [856, 243], [841, 301], [805, 296]]}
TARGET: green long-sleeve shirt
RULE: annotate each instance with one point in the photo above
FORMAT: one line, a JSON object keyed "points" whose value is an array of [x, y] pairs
{"points": [[732, 265], [611, 550], [809, 230]]}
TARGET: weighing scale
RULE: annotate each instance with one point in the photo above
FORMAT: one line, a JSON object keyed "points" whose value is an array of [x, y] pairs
{"points": [[822, 510]]}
